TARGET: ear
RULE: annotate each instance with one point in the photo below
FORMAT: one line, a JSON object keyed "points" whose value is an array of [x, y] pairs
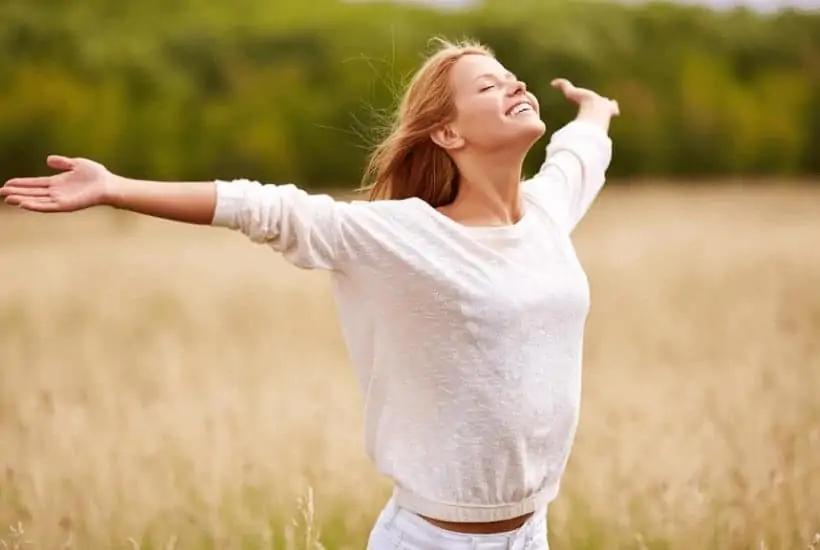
{"points": [[447, 137]]}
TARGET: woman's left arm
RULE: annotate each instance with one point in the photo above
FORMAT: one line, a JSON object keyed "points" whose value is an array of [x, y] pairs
{"points": [[578, 156]]}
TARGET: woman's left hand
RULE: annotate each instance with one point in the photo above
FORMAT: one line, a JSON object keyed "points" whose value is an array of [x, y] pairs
{"points": [[584, 97]]}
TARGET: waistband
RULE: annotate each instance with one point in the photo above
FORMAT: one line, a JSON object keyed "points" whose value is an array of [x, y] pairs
{"points": [[403, 526], [469, 513]]}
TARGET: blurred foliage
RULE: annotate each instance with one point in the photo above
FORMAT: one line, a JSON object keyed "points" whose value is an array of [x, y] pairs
{"points": [[295, 90]]}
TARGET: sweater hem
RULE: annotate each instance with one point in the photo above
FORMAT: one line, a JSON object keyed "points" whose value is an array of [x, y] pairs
{"points": [[473, 513]]}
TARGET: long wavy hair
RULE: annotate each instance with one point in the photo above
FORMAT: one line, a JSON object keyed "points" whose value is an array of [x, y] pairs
{"points": [[407, 163]]}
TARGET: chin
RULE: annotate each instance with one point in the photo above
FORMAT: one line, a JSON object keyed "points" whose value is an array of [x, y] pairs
{"points": [[539, 127], [531, 131], [520, 135]]}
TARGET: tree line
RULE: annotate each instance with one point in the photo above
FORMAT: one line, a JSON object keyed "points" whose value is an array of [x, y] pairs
{"points": [[297, 90]]}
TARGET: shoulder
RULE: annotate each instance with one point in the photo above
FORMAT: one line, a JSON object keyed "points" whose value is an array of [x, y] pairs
{"points": [[386, 233], [401, 211]]}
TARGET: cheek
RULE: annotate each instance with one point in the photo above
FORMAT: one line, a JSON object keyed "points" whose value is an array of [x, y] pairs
{"points": [[534, 100], [478, 115]]}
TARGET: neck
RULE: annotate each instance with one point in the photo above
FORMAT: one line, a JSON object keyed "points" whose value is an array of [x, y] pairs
{"points": [[489, 191]]}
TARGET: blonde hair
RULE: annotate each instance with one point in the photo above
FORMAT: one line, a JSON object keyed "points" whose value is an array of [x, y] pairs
{"points": [[407, 163]]}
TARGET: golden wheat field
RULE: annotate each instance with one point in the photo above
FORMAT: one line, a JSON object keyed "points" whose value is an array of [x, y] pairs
{"points": [[168, 386]]}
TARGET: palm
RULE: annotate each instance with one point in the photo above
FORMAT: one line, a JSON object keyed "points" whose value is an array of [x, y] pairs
{"points": [[80, 184]]}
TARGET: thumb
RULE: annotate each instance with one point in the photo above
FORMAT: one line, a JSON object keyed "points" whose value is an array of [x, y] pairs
{"points": [[59, 162]]}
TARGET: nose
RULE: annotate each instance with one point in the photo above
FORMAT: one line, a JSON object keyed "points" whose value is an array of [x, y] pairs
{"points": [[517, 87]]}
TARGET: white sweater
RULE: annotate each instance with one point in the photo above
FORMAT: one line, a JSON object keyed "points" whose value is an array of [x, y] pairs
{"points": [[466, 341]]}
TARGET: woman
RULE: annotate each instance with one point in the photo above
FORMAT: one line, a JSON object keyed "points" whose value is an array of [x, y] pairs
{"points": [[460, 295]]}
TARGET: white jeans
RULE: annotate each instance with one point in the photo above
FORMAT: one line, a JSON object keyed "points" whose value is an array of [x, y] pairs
{"points": [[400, 529]]}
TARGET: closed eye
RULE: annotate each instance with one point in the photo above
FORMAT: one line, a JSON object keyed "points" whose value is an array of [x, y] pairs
{"points": [[485, 88]]}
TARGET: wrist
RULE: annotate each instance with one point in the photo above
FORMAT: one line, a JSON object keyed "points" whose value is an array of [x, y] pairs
{"points": [[113, 187], [596, 110], [594, 103]]}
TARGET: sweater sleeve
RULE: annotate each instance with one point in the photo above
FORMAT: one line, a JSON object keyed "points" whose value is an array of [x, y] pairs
{"points": [[573, 173], [305, 228]]}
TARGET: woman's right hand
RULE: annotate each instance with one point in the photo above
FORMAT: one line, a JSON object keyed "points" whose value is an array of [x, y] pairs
{"points": [[82, 183]]}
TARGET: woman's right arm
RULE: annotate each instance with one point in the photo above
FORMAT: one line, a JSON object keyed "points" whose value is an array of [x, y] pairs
{"points": [[307, 229], [310, 230], [82, 183]]}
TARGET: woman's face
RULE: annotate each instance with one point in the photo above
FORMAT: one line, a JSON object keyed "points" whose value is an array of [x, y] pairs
{"points": [[494, 110]]}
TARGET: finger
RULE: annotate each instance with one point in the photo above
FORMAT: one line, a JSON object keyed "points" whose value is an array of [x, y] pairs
{"points": [[59, 162], [17, 200], [27, 182], [616, 109], [563, 85], [39, 204], [26, 191]]}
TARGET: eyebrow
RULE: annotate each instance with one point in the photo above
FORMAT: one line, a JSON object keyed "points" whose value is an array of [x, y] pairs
{"points": [[508, 74]]}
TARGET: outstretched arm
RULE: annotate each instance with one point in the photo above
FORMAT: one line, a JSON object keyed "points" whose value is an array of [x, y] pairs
{"points": [[83, 183], [578, 156], [307, 229]]}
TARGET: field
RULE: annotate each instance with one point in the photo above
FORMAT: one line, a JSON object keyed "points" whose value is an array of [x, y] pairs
{"points": [[168, 386]]}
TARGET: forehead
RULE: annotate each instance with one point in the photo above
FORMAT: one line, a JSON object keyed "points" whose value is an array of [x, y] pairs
{"points": [[472, 66]]}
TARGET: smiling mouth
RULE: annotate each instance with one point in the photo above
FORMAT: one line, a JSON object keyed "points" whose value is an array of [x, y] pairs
{"points": [[520, 108]]}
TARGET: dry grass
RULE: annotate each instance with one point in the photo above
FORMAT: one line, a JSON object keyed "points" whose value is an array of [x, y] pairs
{"points": [[168, 383]]}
